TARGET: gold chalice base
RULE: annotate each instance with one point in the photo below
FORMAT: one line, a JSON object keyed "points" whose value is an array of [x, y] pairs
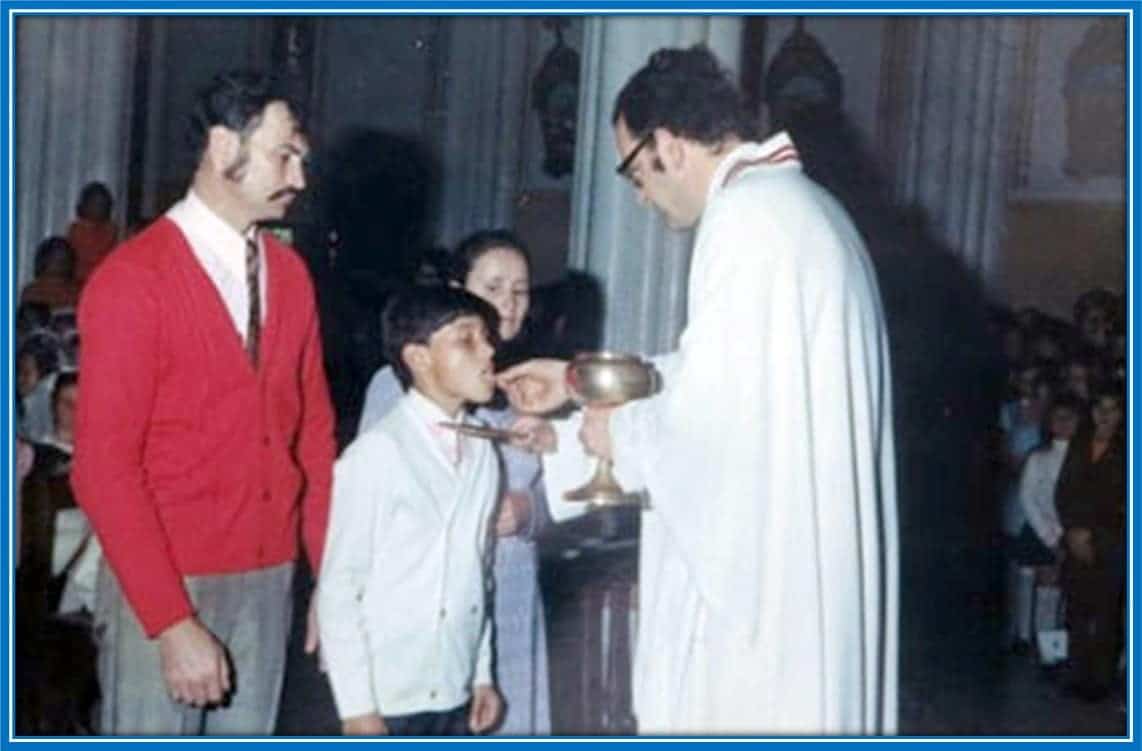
{"points": [[602, 491]]}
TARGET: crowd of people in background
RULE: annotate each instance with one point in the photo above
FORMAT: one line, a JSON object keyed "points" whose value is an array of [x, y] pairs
{"points": [[1063, 469], [57, 554]]}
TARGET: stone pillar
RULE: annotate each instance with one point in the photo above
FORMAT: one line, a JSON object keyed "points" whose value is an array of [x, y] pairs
{"points": [[641, 264], [74, 78], [485, 96]]}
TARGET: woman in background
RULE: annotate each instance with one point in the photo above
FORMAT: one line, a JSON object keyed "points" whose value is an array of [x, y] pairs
{"points": [[1091, 499]]}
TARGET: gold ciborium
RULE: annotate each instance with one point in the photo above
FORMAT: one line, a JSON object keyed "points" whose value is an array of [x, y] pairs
{"points": [[608, 379]]}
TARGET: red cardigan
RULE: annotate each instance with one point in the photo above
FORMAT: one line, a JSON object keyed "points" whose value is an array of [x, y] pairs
{"points": [[187, 461]]}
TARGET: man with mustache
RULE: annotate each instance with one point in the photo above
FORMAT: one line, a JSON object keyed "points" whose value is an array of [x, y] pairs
{"points": [[204, 439]]}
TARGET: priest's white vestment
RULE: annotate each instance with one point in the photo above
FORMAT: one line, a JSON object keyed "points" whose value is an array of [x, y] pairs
{"points": [[768, 581]]}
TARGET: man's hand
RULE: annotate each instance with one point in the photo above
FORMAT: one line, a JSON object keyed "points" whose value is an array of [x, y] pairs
{"points": [[534, 435], [537, 386], [485, 711], [595, 432], [195, 667], [312, 635], [364, 724], [514, 513]]}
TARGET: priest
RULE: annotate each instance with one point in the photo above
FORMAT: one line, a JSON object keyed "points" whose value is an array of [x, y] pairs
{"points": [[768, 573]]}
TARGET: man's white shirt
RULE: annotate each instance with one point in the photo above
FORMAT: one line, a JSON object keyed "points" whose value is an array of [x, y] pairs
{"points": [[221, 251]]}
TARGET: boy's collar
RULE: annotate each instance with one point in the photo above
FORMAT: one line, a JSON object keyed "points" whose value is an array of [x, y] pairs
{"points": [[430, 410]]}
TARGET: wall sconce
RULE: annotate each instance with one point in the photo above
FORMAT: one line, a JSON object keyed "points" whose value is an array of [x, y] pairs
{"points": [[801, 79], [555, 98]]}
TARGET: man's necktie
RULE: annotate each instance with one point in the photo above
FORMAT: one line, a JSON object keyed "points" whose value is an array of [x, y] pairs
{"points": [[253, 286]]}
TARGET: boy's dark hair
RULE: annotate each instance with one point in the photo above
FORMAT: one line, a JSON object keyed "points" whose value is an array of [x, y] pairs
{"points": [[686, 92], [475, 245], [235, 100], [413, 315]]}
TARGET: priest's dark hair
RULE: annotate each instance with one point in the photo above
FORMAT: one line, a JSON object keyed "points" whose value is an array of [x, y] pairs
{"points": [[686, 92], [414, 314], [236, 100]]}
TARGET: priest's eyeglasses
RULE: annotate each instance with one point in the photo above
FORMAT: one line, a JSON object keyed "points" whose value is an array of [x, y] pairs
{"points": [[623, 170]]}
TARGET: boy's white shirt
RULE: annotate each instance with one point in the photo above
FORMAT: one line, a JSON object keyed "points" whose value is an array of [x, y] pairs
{"points": [[403, 593]]}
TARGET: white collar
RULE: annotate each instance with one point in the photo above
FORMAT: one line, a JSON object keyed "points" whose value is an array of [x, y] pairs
{"points": [[430, 410], [209, 232], [778, 149]]}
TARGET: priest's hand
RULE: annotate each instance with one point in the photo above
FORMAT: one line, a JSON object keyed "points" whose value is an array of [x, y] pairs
{"points": [[486, 708], [195, 667], [596, 432], [537, 386], [534, 435]]}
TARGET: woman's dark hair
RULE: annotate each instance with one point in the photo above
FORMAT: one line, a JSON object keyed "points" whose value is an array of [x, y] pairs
{"points": [[686, 92], [55, 253], [475, 245]]}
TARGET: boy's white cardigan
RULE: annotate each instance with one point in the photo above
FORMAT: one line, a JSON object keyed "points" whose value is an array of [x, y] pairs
{"points": [[403, 597]]}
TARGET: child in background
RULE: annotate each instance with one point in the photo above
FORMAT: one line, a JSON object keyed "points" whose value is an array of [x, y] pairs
{"points": [[403, 592], [1039, 539], [92, 234], [1036, 551], [1021, 420], [37, 363], [54, 284]]}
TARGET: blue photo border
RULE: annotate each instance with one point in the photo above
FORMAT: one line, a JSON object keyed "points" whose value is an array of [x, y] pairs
{"points": [[13, 8]]}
